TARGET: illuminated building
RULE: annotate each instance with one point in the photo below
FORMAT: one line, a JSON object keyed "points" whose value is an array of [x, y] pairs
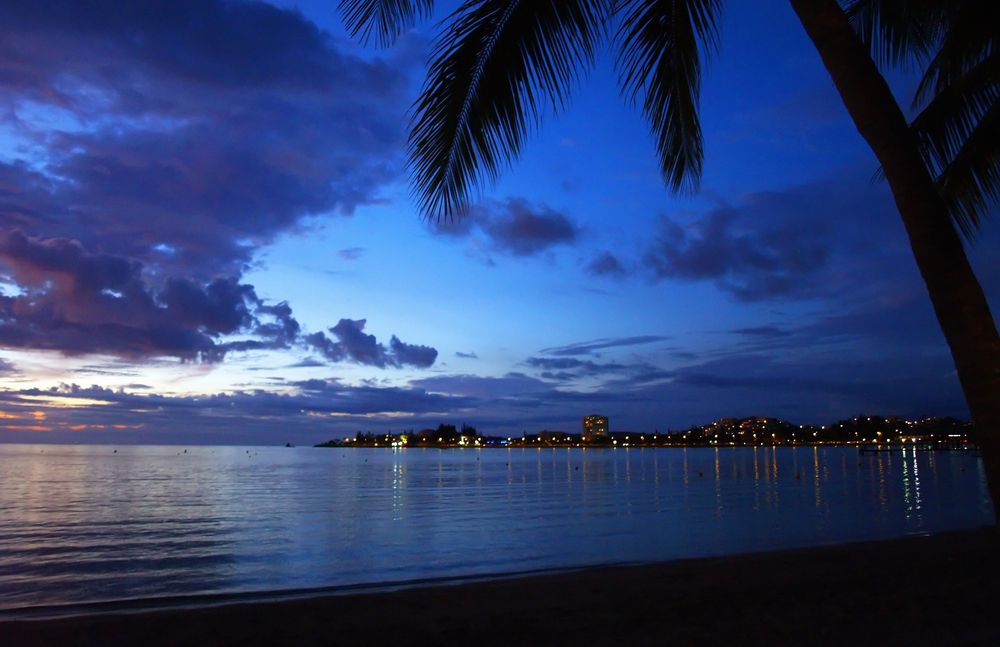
{"points": [[595, 429]]}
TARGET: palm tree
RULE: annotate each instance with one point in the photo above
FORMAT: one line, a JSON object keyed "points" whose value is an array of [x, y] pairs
{"points": [[498, 63], [955, 135]]}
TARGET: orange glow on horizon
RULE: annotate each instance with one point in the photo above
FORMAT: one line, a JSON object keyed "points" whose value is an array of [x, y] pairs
{"points": [[37, 415], [26, 427]]}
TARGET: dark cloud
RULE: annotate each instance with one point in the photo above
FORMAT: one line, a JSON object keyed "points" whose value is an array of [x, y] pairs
{"points": [[105, 369], [588, 348], [794, 387], [514, 227], [411, 354], [761, 331], [351, 253], [606, 264], [188, 134], [582, 372], [573, 366], [354, 345], [6, 367], [522, 229], [769, 261], [308, 362], [466, 355], [75, 301], [791, 244], [194, 131]]}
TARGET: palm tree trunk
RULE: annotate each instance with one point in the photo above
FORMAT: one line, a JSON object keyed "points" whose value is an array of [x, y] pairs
{"points": [[959, 303]]}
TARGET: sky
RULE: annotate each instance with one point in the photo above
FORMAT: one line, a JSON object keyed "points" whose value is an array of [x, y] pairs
{"points": [[207, 235]]}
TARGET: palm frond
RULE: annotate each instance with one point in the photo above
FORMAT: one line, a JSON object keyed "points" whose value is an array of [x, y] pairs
{"points": [[970, 184], [953, 42], [969, 28], [659, 66], [498, 64], [382, 20], [897, 32], [947, 121]]}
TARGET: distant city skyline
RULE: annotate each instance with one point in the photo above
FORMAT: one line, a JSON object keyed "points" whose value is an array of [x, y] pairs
{"points": [[206, 235]]}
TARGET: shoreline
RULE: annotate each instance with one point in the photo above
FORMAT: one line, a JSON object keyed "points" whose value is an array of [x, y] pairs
{"points": [[929, 589]]}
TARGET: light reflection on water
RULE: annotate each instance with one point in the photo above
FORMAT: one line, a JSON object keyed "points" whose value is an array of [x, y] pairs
{"points": [[88, 523]]}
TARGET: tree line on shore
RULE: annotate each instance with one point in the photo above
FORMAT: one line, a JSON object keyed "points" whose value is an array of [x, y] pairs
{"points": [[878, 430]]}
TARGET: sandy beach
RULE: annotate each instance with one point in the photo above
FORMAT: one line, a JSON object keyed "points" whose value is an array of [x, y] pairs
{"points": [[931, 590]]}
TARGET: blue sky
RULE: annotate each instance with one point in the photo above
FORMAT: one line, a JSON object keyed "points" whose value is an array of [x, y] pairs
{"points": [[207, 235]]}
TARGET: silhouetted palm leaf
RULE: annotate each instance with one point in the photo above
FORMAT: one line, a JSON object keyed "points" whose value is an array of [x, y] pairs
{"points": [[970, 184], [660, 66], [957, 128], [898, 32], [382, 19], [497, 65], [967, 33]]}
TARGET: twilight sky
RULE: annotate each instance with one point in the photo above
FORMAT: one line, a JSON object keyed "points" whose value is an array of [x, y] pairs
{"points": [[206, 236]]}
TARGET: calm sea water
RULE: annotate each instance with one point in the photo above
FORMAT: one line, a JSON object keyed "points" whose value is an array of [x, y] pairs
{"points": [[84, 524]]}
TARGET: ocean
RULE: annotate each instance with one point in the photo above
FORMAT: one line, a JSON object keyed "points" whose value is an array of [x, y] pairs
{"points": [[83, 524]]}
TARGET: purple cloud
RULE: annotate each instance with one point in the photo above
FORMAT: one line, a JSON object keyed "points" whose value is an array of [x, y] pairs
{"points": [[606, 264], [351, 253], [6, 368], [589, 347], [411, 354], [75, 301], [522, 229], [788, 244], [189, 134], [514, 227], [353, 344], [194, 131]]}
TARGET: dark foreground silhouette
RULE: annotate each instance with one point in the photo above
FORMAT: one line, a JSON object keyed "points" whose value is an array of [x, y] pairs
{"points": [[932, 590]]}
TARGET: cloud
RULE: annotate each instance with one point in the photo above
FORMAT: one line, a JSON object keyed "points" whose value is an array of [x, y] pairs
{"points": [[75, 301], [411, 354], [522, 229], [606, 264], [761, 331], [791, 244], [514, 227], [354, 345], [308, 362], [573, 364], [588, 348], [351, 253], [462, 355], [762, 262], [153, 149], [188, 134]]}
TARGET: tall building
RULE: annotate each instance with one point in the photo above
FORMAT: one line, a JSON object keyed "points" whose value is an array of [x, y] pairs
{"points": [[595, 429]]}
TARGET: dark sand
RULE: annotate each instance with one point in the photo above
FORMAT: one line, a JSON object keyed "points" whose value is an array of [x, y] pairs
{"points": [[937, 590]]}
